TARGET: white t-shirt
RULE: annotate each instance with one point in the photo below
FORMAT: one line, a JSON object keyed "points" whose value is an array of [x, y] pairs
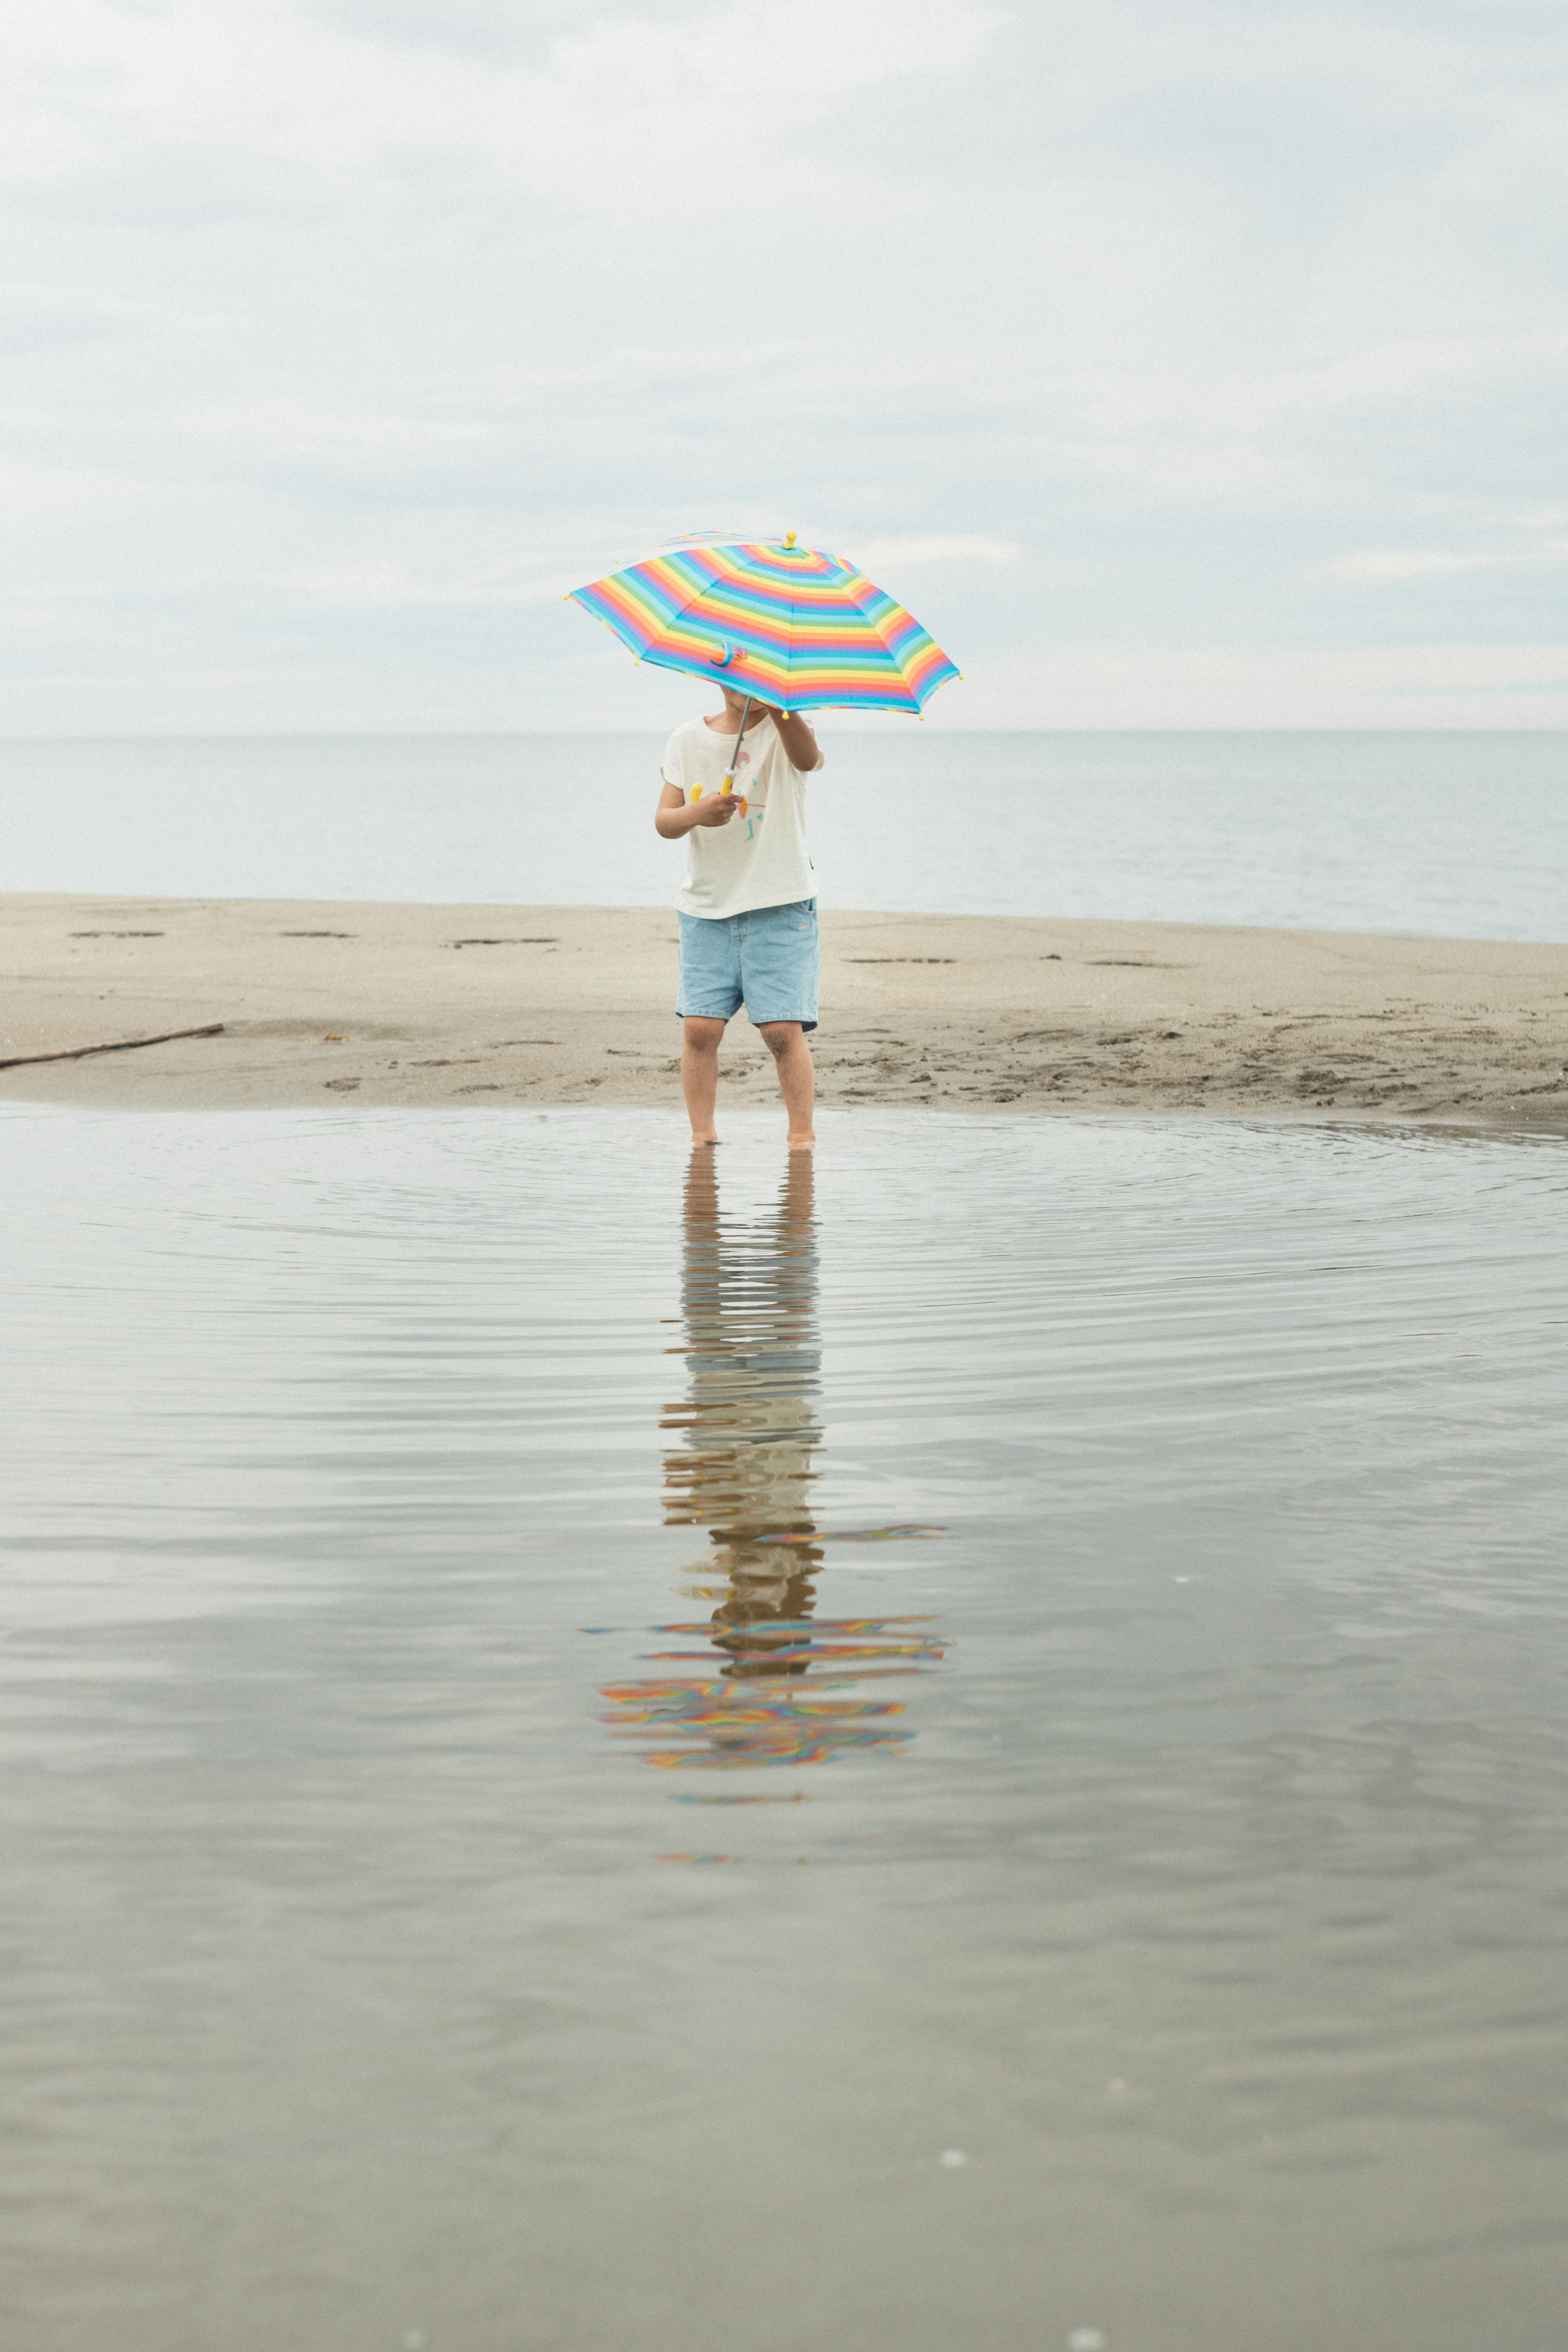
{"points": [[760, 858]]}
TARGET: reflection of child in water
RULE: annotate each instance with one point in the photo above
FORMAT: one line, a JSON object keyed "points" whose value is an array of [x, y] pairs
{"points": [[750, 1428], [762, 1597], [775, 1694]]}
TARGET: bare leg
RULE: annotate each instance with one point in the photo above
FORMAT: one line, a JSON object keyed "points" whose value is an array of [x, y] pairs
{"points": [[786, 1041], [699, 1074]]}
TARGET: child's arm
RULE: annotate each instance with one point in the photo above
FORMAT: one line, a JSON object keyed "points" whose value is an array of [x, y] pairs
{"points": [[675, 816], [796, 735]]}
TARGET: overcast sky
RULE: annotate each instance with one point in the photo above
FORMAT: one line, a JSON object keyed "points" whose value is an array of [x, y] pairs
{"points": [[1178, 365]]}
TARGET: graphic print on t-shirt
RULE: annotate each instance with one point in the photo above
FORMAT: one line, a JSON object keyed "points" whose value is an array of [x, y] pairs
{"points": [[751, 791], [753, 794]]}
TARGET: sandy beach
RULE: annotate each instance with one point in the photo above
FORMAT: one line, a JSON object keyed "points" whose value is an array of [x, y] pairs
{"points": [[484, 1005]]}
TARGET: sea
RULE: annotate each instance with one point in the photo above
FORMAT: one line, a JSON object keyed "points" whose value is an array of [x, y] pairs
{"points": [[967, 1744], [1437, 835]]}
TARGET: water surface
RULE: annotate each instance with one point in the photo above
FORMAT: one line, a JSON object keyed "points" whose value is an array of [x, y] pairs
{"points": [[958, 1746]]}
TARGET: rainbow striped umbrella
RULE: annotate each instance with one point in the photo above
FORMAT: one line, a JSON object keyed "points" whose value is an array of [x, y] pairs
{"points": [[778, 623]]}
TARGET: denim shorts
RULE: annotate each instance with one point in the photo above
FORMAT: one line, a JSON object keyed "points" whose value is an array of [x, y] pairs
{"points": [[767, 960]]}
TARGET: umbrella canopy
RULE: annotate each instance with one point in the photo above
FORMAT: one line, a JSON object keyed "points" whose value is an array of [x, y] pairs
{"points": [[786, 625]]}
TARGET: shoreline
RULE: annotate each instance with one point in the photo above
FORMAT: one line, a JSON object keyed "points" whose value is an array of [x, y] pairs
{"points": [[424, 1005]]}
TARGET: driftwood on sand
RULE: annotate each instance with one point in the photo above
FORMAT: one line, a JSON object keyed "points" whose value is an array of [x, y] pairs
{"points": [[114, 1046]]}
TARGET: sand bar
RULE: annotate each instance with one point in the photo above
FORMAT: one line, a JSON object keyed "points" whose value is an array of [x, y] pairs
{"points": [[464, 1006]]}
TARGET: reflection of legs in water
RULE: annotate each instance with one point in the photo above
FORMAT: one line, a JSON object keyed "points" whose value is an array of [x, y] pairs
{"points": [[759, 1600], [749, 1425]]}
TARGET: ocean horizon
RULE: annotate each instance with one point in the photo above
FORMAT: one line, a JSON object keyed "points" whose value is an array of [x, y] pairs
{"points": [[1419, 832]]}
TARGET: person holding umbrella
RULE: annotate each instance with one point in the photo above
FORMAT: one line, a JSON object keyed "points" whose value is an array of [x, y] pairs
{"points": [[733, 786], [780, 629]]}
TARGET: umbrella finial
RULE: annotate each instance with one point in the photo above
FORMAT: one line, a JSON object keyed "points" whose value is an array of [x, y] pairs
{"points": [[789, 539]]}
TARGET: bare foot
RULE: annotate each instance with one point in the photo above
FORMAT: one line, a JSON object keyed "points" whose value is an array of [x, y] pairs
{"points": [[802, 1142], [711, 1137]]}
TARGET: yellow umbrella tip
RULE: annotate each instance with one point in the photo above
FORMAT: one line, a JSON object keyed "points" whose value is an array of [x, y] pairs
{"points": [[789, 539]]}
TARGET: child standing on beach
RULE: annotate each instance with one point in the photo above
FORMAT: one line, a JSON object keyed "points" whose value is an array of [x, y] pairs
{"points": [[748, 910]]}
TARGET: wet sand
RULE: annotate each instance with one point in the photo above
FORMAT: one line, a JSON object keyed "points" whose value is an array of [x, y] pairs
{"points": [[435, 1004]]}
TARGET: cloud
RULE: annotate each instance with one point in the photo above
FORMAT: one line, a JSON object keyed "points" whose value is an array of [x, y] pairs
{"points": [[800, 57], [50, 318], [946, 548], [370, 587], [270, 106], [1403, 563], [1300, 685], [35, 493], [1407, 563], [630, 367], [290, 431]]}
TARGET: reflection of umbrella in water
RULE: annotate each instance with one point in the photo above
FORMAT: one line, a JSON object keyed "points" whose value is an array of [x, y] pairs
{"points": [[774, 622]]}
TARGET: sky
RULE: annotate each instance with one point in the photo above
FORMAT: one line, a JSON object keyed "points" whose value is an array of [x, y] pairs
{"points": [[1179, 365]]}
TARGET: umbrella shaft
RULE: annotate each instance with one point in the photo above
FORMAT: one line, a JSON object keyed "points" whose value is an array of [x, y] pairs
{"points": [[728, 782]]}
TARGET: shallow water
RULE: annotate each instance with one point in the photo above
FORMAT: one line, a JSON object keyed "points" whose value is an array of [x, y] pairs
{"points": [[1449, 835], [470, 1886]]}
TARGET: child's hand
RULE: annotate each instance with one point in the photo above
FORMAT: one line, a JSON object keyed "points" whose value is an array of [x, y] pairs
{"points": [[715, 808]]}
